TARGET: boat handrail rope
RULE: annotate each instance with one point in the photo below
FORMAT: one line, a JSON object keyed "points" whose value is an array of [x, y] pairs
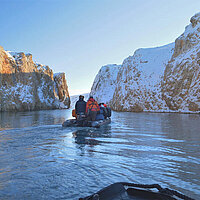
{"points": [[159, 188], [165, 191]]}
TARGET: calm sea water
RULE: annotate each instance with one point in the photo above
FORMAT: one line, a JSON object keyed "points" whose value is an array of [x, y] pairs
{"points": [[41, 160]]}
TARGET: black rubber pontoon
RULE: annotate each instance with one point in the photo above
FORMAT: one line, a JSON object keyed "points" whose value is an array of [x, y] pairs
{"points": [[96, 124], [130, 191]]}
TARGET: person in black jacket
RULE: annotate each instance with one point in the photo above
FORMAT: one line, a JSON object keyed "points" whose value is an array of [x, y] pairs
{"points": [[80, 108]]}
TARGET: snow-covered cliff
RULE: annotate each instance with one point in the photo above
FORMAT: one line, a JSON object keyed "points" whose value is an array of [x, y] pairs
{"points": [[105, 83], [61, 90], [161, 79], [139, 80], [25, 85], [181, 84], [136, 84]]}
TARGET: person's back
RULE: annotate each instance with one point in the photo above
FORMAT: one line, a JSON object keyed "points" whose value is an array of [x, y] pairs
{"points": [[91, 109], [80, 106], [100, 114]]}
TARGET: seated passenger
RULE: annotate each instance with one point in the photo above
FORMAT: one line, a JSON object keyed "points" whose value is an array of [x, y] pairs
{"points": [[100, 114], [105, 113], [80, 108], [108, 111], [91, 109]]}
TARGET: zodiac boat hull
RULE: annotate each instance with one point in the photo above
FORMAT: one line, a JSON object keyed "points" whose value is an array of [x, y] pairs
{"points": [[96, 124]]}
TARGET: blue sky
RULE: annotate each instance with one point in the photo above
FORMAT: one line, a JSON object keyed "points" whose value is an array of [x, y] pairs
{"points": [[79, 36]]}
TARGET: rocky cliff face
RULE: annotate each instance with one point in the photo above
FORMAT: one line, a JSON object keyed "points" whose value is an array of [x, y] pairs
{"points": [[61, 89], [25, 85], [161, 79], [136, 84], [105, 83], [181, 84], [139, 80]]}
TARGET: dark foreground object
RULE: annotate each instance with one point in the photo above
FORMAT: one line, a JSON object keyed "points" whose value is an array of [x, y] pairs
{"points": [[96, 124], [129, 191]]}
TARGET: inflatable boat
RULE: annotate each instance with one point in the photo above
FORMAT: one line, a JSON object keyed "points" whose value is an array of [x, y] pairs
{"points": [[75, 123], [130, 191]]}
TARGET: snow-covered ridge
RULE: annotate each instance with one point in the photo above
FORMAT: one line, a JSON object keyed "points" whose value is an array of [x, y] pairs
{"points": [[161, 79], [25, 85], [151, 61], [191, 36], [142, 72], [139, 80]]}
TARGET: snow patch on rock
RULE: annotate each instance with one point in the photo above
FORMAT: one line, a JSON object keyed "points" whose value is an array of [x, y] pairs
{"points": [[105, 83], [139, 80]]}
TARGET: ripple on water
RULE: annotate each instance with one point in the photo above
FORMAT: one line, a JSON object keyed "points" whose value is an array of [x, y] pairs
{"points": [[42, 160]]}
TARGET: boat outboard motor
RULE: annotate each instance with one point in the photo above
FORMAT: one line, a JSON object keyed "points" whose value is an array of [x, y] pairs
{"points": [[81, 118]]}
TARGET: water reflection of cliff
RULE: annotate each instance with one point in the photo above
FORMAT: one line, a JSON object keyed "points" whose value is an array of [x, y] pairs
{"points": [[33, 118]]}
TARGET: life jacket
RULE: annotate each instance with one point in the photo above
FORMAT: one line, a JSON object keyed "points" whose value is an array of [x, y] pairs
{"points": [[92, 105], [74, 113]]}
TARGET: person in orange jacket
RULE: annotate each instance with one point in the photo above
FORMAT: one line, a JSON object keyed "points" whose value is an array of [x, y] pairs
{"points": [[92, 108], [104, 105]]}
